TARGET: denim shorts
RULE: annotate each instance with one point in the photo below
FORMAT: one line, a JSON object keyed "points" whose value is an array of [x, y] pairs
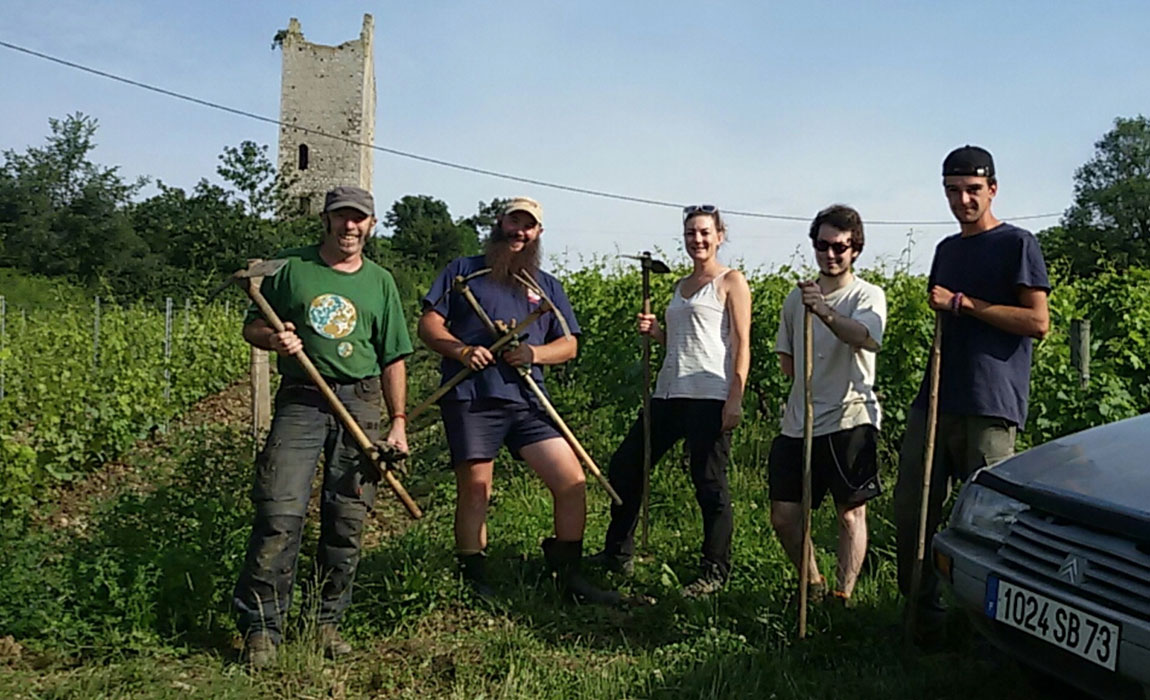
{"points": [[476, 429]]}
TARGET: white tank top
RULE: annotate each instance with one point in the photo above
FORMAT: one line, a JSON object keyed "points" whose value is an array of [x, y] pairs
{"points": [[698, 361]]}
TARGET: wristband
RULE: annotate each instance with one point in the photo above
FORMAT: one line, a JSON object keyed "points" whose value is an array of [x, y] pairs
{"points": [[399, 415], [956, 304]]}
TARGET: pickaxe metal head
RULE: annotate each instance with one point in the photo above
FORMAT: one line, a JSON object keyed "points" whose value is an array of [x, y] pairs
{"points": [[258, 268], [657, 266]]}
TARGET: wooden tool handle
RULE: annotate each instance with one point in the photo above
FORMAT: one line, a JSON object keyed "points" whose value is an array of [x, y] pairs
{"points": [[337, 406], [927, 469], [808, 444], [645, 513], [571, 439]]}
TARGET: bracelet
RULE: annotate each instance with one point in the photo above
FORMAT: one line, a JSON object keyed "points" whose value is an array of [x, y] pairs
{"points": [[466, 351], [956, 304], [399, 415]]}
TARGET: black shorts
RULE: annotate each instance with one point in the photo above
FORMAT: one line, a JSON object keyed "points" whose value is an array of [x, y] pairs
{"points": [[476, 429], [845, 463]]}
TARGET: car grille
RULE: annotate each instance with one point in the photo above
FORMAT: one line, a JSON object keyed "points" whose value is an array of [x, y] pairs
{"points": [[1108, 569]]}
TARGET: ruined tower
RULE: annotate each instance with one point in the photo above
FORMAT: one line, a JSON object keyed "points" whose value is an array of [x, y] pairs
{"points": [[330, 89]]}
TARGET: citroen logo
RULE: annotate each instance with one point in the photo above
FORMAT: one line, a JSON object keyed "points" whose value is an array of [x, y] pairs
{"points": [[1073, 569]]}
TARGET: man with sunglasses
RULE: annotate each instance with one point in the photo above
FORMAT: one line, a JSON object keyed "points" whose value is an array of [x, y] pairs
{"points": [[989, 284], [851, 313]]}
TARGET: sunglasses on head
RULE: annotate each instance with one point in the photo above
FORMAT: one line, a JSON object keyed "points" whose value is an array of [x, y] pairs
{"points": [[692, 209], [839, 248]]}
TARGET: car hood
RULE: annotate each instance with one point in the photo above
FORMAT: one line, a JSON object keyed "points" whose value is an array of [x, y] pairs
{"points": [[1099, 477]]}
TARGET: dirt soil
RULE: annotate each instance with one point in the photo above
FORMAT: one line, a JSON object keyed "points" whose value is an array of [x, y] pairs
{"points": [[74, 502]]}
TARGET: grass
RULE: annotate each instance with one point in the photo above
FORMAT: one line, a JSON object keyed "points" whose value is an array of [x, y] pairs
{"points": [[134, 602]]}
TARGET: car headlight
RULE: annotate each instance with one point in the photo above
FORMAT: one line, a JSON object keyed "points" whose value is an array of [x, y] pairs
{"points": [[985, 513]]}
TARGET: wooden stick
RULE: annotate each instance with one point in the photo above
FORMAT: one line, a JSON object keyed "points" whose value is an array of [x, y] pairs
{"points": [[927, 468], [646, 412], [569, 436], [808, 443], [337, 406]]}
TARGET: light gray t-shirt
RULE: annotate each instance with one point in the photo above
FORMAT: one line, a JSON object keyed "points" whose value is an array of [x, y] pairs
{"points": [[843, 377]]}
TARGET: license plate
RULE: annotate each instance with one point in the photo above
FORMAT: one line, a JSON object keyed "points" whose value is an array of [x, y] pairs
{"points": [[1068, 628]]}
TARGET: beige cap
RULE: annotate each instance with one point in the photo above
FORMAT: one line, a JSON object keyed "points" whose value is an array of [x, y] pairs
{"points": [[525, 204]]}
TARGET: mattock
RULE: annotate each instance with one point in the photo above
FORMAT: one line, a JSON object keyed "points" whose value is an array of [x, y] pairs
{"points": [[648, 265], [382, 455], [525, 373]]}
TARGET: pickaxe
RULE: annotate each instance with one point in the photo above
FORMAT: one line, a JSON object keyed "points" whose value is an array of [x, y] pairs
{"points": [[381, 454], [658, 267], [461, 287]]}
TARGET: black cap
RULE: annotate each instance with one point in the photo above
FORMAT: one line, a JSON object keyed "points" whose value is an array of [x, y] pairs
{"points": [[969, 160], [348, 196]]}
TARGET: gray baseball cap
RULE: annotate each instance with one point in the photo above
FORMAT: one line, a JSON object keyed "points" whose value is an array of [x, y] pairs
{"points": [[347, 196]]}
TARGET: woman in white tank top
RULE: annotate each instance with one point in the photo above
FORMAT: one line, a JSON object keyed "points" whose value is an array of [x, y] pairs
{"points": [[698, 397]]}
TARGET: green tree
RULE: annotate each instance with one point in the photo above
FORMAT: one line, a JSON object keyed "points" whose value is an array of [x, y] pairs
{"points": [[201, 236], [484, 218], [62, 214], [262, 189], [1108, 226], [424, 233]]}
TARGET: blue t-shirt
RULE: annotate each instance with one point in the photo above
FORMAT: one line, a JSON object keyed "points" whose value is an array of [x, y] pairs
{"points": [[985, 371], [502, 302]]}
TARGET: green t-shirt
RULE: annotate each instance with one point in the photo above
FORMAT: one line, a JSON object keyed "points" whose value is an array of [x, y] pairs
{"points": [[351, 323]]}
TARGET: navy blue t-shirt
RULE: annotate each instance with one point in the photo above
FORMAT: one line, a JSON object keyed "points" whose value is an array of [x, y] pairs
{"points": [[985, 371], [502, 303]]}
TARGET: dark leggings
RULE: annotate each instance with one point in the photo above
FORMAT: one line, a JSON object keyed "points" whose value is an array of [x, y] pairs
{"points": [[699, 422]]}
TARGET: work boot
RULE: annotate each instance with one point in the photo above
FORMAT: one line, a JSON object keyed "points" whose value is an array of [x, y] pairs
{"points": [[710, 581], [616, 563], [473, 571], [259, 650], [332, 644], [564, 558]]}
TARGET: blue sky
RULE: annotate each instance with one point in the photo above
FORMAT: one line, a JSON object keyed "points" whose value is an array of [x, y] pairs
{"points": [[758, 106]]}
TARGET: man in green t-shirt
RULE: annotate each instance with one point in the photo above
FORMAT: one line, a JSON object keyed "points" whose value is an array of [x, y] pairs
{"points": [[344, 311]]}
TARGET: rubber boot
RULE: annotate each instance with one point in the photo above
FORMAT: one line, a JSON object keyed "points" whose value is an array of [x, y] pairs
{"points": [[473, 571], [564, 558]]}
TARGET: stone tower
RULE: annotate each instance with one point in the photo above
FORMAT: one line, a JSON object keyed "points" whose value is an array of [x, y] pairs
{"points": [[330, 89]]}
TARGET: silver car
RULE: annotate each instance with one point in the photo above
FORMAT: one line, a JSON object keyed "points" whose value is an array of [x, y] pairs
{"points": [[1050, 553]]}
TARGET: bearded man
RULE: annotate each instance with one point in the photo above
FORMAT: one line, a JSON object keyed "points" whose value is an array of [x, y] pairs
{"points": [[493, 407]]}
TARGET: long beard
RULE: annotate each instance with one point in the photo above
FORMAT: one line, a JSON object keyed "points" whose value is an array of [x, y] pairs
{"points": [[504, 262]]}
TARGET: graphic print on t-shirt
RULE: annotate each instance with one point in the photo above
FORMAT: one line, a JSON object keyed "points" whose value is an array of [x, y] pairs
{"points": [[332, 316]]}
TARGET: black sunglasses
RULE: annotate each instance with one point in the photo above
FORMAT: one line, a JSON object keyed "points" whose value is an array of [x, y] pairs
{"points": [[839, 248], [692, 209]]}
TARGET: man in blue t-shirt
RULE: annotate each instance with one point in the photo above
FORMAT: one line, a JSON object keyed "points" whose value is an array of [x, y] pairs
{"points": [[989, 284], [494, 407]]}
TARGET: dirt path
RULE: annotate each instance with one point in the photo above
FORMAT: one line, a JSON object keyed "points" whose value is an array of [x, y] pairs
{"points": [[74, 502]]}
